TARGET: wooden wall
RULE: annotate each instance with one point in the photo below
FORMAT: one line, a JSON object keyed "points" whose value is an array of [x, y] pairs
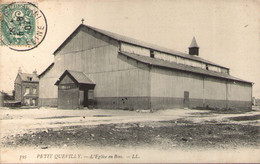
{"points": [[69, 99], [125, 83], [239, 95], [168, 87], [118, 80], [48, 92]]}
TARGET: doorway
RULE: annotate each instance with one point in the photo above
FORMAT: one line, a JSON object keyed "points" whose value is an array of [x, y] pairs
{"points": [[186, 99], [86, 97], [85, 102]]}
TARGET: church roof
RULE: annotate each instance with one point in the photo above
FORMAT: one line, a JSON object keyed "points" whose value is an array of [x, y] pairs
{"points": [[139, 43], [180, 67]]}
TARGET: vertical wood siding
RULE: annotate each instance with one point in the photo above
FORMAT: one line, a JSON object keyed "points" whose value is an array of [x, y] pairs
{"points": [[67, 80], [168, 87], [97, 56], [239, 91], [123, 82], [168, 83]]}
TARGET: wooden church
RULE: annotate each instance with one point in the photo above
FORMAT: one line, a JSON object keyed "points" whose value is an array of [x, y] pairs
{"points": [[100, 69]]}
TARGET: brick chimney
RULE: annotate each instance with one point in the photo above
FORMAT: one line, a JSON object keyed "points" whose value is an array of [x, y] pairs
{"points": [[35, 72], [19, 70], [194, 48]]}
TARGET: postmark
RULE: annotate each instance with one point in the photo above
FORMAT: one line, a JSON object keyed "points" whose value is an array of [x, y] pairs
{"points": [[23, 26]]}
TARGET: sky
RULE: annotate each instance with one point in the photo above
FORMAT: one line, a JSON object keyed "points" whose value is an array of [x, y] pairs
{"points": [[228, 32]]}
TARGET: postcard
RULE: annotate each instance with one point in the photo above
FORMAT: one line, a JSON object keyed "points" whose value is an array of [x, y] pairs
{"points": [[119, 81]]}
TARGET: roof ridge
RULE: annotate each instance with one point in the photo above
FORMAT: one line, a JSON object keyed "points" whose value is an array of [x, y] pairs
{"points": [[129, 40], [160, 48], [157, 46]]}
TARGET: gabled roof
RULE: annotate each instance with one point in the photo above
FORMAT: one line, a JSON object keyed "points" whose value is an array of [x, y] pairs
{"points": [[27, 77], [78, 77], [46, 70], [132, 41], [181, 67], [194, 43]]}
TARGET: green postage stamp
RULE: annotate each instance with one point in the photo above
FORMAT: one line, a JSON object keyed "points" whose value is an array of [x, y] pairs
{"points": [[23, 26]]}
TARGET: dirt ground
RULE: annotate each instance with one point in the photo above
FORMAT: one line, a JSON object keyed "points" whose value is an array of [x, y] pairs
{"points": [[175, 129]]}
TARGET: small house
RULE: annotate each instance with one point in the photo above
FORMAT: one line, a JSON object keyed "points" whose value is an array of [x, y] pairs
{"points": [[26, 88]]}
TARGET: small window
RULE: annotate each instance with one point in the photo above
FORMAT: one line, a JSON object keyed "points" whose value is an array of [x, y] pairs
{"points": [[33, 102], [29, 78], [151, 53], [207, 67], [34, 90], [64, 87], [27, 101], [27, 90], [67, 86]]}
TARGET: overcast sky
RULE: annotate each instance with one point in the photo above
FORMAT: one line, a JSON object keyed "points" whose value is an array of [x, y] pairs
{"points": [[228, 32]]}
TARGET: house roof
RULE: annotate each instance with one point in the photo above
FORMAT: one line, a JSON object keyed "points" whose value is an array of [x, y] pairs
{"points": [[194, 43], [46, 70], [181, 67], [78, 77], [132, 41], [27, 77]]}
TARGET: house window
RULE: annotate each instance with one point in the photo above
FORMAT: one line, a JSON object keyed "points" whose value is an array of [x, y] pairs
{"points": [[29, 78], [34, 91], [27, 101], [207, 67], [27, 91], [33, 102], [151, 53]]}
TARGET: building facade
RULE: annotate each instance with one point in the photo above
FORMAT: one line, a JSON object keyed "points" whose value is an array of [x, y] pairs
{"points": [[26, 88], [107, 70]]}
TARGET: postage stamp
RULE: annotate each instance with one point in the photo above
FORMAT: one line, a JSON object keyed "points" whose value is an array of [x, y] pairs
{"points": [[23, 26]]}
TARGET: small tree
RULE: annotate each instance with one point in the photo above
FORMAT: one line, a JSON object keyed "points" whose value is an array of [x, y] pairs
{"points": [[7, 96]]}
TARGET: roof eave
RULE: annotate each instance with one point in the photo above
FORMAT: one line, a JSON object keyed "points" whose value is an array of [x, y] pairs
{"points": [[48, 68], [153, 49], [67, 39], [200, 73]]}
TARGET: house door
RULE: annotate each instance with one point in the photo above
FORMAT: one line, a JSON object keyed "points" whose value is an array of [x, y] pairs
{"points": [[186, 99]]}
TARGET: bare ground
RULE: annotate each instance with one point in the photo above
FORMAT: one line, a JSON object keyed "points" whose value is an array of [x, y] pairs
{"points": [[191, 129], [168, 135]]}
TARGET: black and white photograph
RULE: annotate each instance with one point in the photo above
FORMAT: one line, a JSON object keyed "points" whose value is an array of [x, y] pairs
{"points": [[120, 81]]}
